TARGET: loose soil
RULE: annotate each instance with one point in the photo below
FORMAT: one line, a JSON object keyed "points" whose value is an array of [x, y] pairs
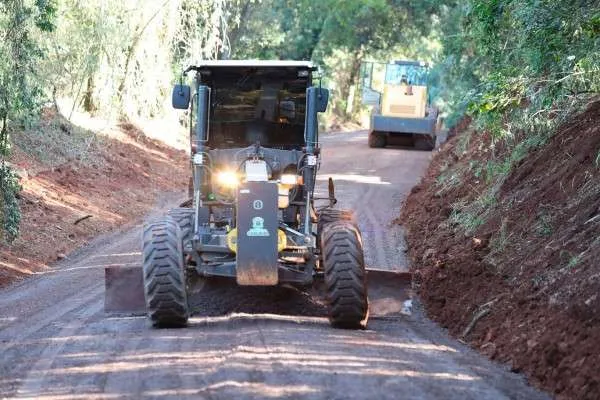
{"points": [[118, 182], [523, 286], [56, 340]]}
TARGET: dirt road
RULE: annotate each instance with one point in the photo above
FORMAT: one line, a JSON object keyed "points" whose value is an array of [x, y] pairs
{"points": [[56, 341]]}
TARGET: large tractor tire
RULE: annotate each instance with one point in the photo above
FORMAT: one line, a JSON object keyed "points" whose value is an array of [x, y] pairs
{"points": [[164, 274], [184, 217], [345, 275], [424, 142], [377, 140], [329, 215]]}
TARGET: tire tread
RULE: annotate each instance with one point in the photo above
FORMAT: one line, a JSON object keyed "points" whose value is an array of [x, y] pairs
{"points": [[164, 274], [345, 275]]}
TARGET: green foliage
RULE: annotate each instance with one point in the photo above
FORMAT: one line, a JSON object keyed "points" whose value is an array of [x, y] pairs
{"points": [[519, 69], [20, 93], [505, 54], [337, 35], [543, 225], [10, 215], [448, 180], [468, 216]]}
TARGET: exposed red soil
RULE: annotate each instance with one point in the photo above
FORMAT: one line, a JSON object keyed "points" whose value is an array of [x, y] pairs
{"points": [[122, 183], [534, 263]]}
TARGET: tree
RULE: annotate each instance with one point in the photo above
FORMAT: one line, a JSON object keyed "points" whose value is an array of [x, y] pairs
{"points": [[19, 92]]}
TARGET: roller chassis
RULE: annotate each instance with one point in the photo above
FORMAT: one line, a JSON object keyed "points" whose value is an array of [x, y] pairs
{"points": [[418, 132]]}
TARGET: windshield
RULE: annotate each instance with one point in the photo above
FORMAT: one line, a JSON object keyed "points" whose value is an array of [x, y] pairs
{"points": [[250, 105], [396, 74]]}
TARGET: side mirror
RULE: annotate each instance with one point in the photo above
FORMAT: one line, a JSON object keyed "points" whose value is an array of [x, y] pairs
{"points": [[181, 97], [322, 99]]}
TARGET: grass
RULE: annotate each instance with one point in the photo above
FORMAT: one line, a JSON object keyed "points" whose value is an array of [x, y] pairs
{"points": [[543, 226], [476, 168], [462, 144], [448, 179], [468, 216], [55, 141], [498, 242], [573, 261], [526, 130]]}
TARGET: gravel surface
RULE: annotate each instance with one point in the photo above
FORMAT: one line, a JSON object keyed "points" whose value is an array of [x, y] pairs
{"points": [[57, 342]]}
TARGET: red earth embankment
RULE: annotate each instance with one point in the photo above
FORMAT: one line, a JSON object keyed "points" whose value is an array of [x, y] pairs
{"points": [[64, 206], [523, 284]]}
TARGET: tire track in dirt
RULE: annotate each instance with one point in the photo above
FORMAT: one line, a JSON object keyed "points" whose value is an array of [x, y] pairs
{"points": [[120, 355], [379, 243], [35, 379], [54, 313], [231, 364], [374, 252]]}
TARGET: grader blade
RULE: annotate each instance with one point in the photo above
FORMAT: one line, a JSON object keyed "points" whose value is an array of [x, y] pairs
{"points": [[124, 290]]}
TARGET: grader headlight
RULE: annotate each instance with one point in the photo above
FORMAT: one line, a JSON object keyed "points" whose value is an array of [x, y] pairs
{"points": [[290, 179], [228, 179], [286, 182]]}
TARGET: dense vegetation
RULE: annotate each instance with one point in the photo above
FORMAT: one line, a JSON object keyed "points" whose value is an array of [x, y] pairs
{"points": [[517, 66], [20, 93]]}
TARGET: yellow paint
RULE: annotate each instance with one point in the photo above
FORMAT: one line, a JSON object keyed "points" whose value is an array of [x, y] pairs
{"points": [[233, 234], [397, 101]]}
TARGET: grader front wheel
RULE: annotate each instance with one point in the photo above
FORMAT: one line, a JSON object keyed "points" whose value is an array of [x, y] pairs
{"points": [[164, 274], [345, 275]]}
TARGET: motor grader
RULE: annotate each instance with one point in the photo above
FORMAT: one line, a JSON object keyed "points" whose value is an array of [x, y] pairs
{"points": [[253, 216]]}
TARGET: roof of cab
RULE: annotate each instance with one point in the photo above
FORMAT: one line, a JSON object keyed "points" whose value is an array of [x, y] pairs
{"points": [[256, 63], [411, 62]]}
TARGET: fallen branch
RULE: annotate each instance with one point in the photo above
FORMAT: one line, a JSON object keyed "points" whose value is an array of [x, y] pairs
{"points": [[484, 310], [480, 314], [82, 219]]}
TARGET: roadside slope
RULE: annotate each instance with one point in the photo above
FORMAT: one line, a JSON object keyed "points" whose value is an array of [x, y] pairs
{"points": [[78, 184], [519, 278]]}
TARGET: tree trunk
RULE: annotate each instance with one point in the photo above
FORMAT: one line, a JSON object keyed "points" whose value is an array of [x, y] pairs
{"points": [[238, 30], [139, 32], [88, 97], [349, 82]]}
